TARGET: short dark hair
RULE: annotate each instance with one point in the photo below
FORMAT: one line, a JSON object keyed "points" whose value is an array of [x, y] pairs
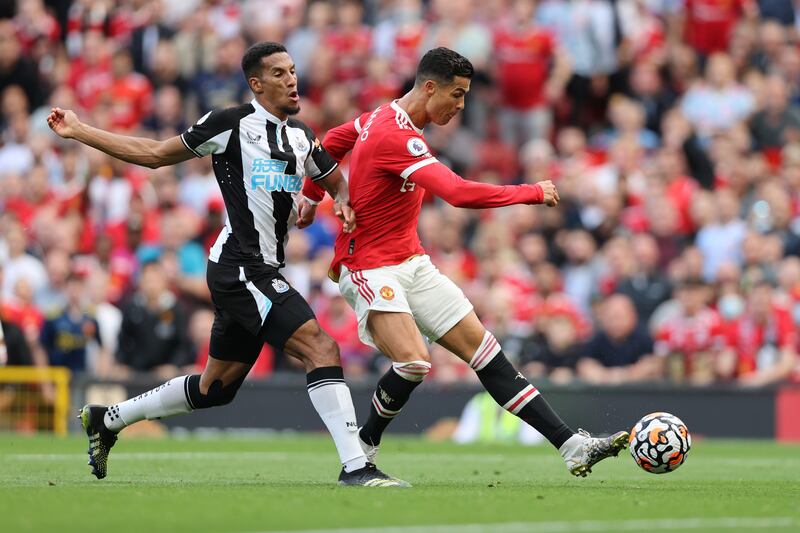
{"points": [[251, 60], [442, 65]]}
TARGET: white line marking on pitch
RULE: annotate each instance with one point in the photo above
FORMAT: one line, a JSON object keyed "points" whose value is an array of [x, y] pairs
{"points": [[733, 523], [224, 456], [139, 456]]}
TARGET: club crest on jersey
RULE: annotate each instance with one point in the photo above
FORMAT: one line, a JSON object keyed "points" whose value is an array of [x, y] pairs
{"points": [[417, 147], [280, 286], [387, 293], [269, 174], [299, 141]]}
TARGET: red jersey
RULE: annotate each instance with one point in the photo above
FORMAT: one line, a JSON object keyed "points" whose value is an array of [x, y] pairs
{"points": [[523, 61], [709, 23], [756, 344], [390, 169], [131, 99], [689, 335]]}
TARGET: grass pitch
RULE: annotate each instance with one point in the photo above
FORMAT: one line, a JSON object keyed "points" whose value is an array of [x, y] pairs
{"points": [[288, 483]]}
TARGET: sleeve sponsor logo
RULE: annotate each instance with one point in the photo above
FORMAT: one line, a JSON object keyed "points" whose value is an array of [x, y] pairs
{"points": [[417, 147]]}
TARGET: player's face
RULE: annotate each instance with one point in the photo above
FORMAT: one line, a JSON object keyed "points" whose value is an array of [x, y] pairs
{"points": [[447, 100], [278, 84]]}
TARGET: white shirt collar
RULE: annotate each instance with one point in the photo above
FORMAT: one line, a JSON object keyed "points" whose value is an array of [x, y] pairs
{"points": [[262, 110], [402, 111]]}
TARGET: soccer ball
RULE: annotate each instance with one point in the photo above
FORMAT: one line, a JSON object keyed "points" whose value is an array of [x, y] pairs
{"points": [[659, 443]]}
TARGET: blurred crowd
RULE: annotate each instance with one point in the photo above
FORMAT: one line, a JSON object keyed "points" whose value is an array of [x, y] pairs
{"points": [[671, 128]]}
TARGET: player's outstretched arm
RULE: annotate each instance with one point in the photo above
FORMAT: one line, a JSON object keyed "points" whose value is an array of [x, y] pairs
{"points": [[446, 184], [137, 150]]}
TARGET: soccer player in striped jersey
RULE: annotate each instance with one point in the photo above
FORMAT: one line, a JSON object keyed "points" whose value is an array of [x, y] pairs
{"points": [[385, 275], [260, 156]]}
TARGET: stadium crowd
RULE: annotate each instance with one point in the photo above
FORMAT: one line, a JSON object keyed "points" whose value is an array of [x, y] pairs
{"points": [[671, 128]]}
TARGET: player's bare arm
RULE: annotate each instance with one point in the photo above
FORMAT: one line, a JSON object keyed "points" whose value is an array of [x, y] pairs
{"points": [[336, 185], [137, 150]]}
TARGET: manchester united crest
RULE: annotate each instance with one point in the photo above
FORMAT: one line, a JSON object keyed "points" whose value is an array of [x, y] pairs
{"points": [[387, 293]]}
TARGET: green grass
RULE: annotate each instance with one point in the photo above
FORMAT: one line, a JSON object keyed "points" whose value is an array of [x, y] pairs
{"points": [[288, 483]]}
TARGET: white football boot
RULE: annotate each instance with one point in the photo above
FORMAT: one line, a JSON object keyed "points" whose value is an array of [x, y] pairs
{"points": [[582, 451]]}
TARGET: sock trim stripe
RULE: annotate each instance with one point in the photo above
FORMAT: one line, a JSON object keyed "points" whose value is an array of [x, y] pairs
{"points": [[515, 404], [381, 410], [323, 383], [186, 391], [411, 372], [483, 358]]}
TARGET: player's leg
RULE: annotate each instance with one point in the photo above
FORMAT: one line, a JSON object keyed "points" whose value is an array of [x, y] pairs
{"points": [[233, 351], [385, 322], [396, 335], [293, 328], [470, 341], [444, 315]]}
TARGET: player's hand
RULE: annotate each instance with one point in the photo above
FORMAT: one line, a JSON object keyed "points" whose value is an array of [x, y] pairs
{"points": [[346, 215], [550, 197], [63, 121], [306, 213]]}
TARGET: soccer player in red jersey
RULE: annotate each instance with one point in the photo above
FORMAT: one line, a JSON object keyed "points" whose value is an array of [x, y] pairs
{"points": [[385, 275]]}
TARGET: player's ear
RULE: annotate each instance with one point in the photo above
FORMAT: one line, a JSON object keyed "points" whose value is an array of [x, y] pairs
{"points": [[430, 87], [255, 84]]}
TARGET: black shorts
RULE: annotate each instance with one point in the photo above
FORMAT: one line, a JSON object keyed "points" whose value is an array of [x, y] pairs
{"points": [[253, 305]]}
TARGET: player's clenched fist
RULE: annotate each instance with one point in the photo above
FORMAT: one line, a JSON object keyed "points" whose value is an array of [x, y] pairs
{"points": [[550, 197], [63, 121]]}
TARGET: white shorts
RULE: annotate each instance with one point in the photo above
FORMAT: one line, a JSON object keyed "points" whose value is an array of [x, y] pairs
{"points": [[415, 287]]}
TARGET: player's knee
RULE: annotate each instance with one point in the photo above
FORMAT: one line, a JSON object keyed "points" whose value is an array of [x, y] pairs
{"points": [[216, 395], [413, 370]]}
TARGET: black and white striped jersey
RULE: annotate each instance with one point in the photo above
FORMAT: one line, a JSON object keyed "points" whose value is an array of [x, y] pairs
{"points": [[259, 161]]}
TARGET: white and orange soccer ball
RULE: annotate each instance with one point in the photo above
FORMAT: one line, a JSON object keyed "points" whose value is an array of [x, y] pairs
{"points": [[659, 443]]}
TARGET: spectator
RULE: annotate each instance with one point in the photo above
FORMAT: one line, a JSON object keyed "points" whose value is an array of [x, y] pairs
{"points": [[20, 265], [553, 352], [648, 89], [184, 260], [646, 286], [530, 73], [224, 85], [53, 297], [718, 102], [150, 32], [690, 344], [582, 270], [622, 350], [764, 340], [15, 69], [154, 336], [130, 94], [708, 23], [66, 336], [15, 346], [720, 239], [776, 124], [100, 360]]}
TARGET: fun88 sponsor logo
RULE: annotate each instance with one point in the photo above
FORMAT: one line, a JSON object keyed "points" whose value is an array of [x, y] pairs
{"points": [[269, 174]]}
